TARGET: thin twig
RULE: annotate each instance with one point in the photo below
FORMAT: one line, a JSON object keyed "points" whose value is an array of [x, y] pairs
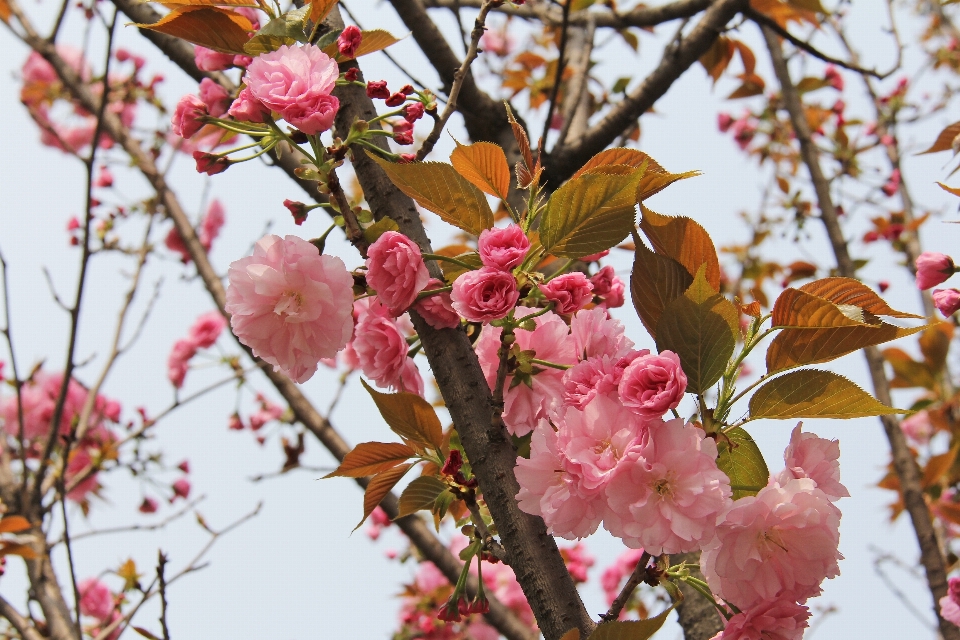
{"points": [[161, 580], [17, 383], [458, 79], [771, 24], [490, 543], [639, 573], [558, 77], [141, 527], [59, 21]]}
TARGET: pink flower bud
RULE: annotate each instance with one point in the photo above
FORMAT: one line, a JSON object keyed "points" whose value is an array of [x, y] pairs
{"points": [[484, 295], [298, 210], [932, 269], [104, 178], [184, 466], [653, 384], [377, 89], [396, 271], [407, 158], [181, 489], [724, 122], [149, 505], [235, 423], [403, 137], [413, 111], [215, 97], [247, 108], [832, 75], [594, 257], [210, 164], [349, 42], [453, 463], [947, 301], [396, 100], [569, 292], [352, 75], [187, 117], [503, 248]]}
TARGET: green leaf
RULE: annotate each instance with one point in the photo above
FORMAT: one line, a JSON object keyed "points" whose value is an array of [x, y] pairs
{"points": [[439, 188], [656, 281], [422, 493], [701, 327], [442, 504], [630, 629], [370, 458], [810, 393], [591, 213], [741, 460], [378, 228], [287, 29], [409, 416]]}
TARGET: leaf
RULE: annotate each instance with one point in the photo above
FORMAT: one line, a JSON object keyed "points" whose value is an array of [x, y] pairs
{"points": [[937, 466], [801, 310], [934, 345], [853, 292], [463, 253], [717, 58], [809, 5], [815, 394], [371, 42], [16, 549], [378, 228], [170, 4], [409, 416], [380, 485], [590, 213], [753, 85], [793, 347], [422, 493], [287, 29], [684, 240], [319, 10], [5, 11], [944, 141], [521, 136], [741, 460], [211, 27], [908, 373], [630, 629], [701, 327], [370, 458], [656, 178], [439, 188], [14, 524], [806, 85], [951, 190], [573, 634], [146, 634], [485, 165], [656, 280]]}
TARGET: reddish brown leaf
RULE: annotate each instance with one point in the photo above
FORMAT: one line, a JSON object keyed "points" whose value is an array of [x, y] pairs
{"points": [[485, 165], [853, 292], [934, 345], [656, 281], [684, 240], [14, 524], [945, 140], [409, 416], [656, 178], [371, 458], [937, 466], [793, 347], [718, 57], [16, 549], [212, 27], [5, 12], [908, 372], [522, 140], [319, 9], [802, 310], [380, 485]]}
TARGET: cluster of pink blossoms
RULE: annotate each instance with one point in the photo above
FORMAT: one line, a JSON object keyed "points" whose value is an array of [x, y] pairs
{"points": [[99, 603], [213, 220], [202, 335], [933, 269], [38, 401], [772, 551]]}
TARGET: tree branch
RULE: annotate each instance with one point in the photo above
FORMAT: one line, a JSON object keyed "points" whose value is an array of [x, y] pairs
{"points": [[23, 626], [639, 573], [903, 462], [677, 58]]}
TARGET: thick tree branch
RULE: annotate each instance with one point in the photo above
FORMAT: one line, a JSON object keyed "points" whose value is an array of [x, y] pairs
{"points": [[642, 16], [697, 615], [23, 626], [531, 551], [903, 462], [503, 619], [677, 58]]}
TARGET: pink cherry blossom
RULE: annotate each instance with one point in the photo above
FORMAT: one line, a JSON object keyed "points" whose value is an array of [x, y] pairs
{"points": [[381, 351], [206, 329], [653, 384], [178, 362], [779, 619], [613, 575], [187, 117], [247, 108], [917, 427], [174, 242], [608, 287], [950, 603], [96, 600], [667, 494], [438, 309], [569, 292], [395, 270], [599, 375], [291, 305], [595, 333], [215, 97], [210, 60], [578, 560], [484, 295], [596, 441], [296, 81], [947, 301], [39, 399], [212, 222], [780, 543], [547, 491], [932, 269], [149, 505], [81, 464], [503, 248], [527, 402], [809, 456]]}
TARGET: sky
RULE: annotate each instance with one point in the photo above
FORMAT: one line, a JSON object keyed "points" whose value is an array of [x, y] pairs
{"points": [[295, 570]]}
